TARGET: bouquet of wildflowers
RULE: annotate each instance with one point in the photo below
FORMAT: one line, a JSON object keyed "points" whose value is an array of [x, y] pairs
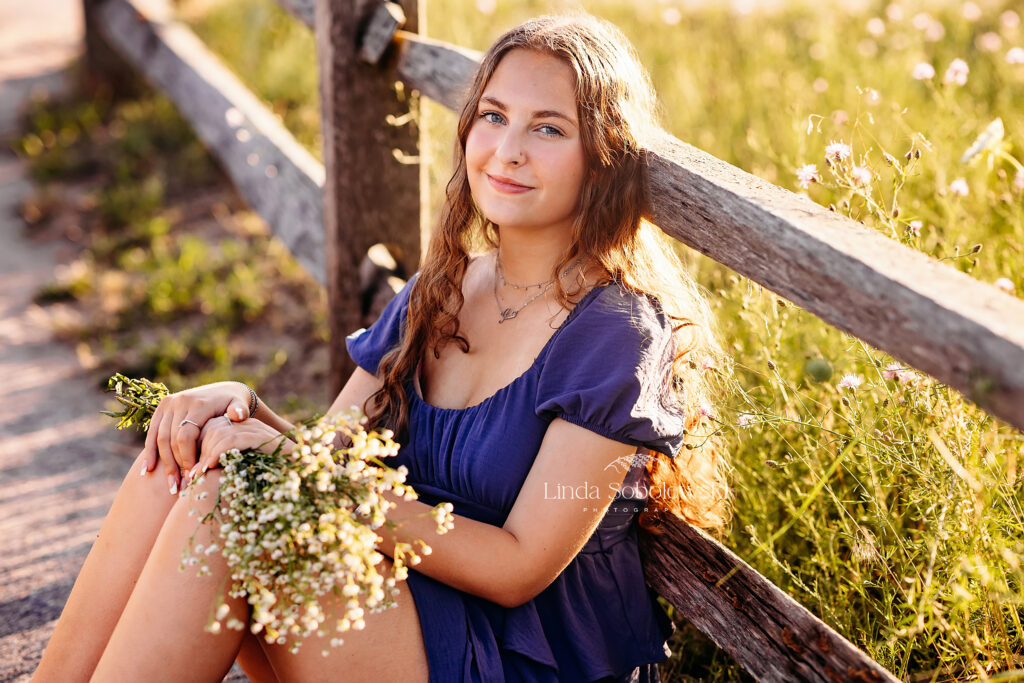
{"points": [[300, 524]]}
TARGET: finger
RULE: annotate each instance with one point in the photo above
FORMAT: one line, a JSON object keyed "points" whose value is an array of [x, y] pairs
{"points": [[237, 410], [186, 433], [149, 450], [163, 444]]}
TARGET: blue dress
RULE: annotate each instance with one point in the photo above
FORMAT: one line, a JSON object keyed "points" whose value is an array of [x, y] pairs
{"points": [[598, 620]]}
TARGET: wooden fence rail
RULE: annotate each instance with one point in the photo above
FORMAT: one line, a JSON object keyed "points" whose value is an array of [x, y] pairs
{"points": [[926, 314]]}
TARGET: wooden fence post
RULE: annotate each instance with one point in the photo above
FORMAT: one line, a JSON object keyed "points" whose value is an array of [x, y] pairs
{"points": [[372, 188], [103, 67]]}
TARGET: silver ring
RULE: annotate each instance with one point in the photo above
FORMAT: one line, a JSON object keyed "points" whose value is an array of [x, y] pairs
{"points": [[230, 423], [182, 423]]}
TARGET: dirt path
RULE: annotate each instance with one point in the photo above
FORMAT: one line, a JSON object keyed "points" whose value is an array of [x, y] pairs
{"points": [[60, 460]]}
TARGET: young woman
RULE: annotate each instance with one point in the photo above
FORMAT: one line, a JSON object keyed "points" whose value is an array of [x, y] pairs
{"points": [[552, 386]]}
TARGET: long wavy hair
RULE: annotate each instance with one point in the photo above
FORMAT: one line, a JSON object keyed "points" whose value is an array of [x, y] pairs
{"points": [[616, 107]]}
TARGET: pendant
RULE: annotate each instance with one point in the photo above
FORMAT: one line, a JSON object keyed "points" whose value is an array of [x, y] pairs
{"points": [[507, 314]]}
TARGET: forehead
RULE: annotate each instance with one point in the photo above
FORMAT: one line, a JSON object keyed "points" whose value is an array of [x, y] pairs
{"points": [[533, 80]]}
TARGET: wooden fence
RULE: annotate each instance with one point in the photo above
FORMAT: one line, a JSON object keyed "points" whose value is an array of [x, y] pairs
{"points": [[964, 333]]}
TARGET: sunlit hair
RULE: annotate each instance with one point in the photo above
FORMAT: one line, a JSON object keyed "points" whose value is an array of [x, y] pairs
{"points": [[616, 110]]}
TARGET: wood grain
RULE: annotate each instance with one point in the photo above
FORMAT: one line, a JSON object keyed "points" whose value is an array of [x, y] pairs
{"points": [[763, 629], [369, 195]]}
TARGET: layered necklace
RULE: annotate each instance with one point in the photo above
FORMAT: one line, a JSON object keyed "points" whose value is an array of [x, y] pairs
{"points": [[507, 313]]}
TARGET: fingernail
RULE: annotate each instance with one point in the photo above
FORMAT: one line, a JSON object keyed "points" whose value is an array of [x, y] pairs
{"points": [[144, 471], [192, 472], [238, 412], [205, 467], [172, 484]]}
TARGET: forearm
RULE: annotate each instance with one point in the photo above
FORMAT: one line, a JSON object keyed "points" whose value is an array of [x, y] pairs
{"points": [[475, 557]]}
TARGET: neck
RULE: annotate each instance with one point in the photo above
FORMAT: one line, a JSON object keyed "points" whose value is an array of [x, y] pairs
{"points": [[529, 259]]}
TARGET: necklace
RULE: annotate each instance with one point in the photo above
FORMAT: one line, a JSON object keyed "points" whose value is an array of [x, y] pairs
{"points": [[508, 313]]}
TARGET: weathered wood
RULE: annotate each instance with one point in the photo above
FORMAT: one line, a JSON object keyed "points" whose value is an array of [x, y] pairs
{"points": [[369, 196], [277, 176], [303, 10], [931, 316], [766, 631], [104, 69], [380, 31], [441, 71]]}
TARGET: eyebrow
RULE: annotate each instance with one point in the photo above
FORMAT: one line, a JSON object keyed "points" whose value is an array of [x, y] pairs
{"points": [[542, 114]]}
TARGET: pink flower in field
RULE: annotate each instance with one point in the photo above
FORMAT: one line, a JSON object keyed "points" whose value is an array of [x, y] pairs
{"points": [[915, 228], [959, 187], [876, 26], [1005, 284], [861, 175], [837, 151], [745, 420], [894, 12], [1015, 55], [707, 363], [970, 11], [1009, 19], [1018, 181], [905, 376], [807, 174], [923, 72], [892, 370], [957, 72], [989, 41], [706, 410], [850, 382]]}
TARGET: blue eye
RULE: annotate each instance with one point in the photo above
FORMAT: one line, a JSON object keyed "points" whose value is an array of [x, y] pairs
{"points": [[547, 130]]}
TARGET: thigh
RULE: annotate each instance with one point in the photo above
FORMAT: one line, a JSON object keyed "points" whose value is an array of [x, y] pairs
{"points": [[392, 641]]}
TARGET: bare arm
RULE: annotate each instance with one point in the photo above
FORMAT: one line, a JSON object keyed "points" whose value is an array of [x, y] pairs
{"points": [[510, 565]]}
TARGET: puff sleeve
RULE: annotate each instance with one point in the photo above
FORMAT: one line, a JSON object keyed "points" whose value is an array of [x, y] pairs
{"points": [[367, 345], [607, 371]]}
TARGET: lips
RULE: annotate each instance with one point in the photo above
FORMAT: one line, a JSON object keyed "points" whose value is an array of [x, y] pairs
{"points": [[506, 185]]}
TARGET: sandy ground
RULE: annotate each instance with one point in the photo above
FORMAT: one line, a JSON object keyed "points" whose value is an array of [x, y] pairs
{"points": [[60, 460]]}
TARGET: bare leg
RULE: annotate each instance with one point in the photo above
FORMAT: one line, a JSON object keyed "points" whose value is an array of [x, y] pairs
{"points": [[107, 578], [392, 641], [161, 633]]}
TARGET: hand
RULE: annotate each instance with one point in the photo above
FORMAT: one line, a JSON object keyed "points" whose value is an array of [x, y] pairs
{"points": [[220, 435], [174, 430]]}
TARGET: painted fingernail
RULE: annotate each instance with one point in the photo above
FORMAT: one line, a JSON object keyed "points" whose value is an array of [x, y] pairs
{"points": [[144, 471], [238, 412], [172, 484], [192, 472], [205, 467]]}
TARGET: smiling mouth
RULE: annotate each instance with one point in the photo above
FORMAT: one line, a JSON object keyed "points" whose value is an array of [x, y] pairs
{"points": [[506, 186]]}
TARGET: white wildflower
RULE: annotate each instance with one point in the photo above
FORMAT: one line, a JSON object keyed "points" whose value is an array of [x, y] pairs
{"points": [[1015, 55], [923, 72], [837, 151], [807, 174], [959, 187], [1005, 284], [957, 72], [861, 175], [850, 381]]}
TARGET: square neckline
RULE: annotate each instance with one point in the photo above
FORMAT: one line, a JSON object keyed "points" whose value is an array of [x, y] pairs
{"points": [[414, 388]]}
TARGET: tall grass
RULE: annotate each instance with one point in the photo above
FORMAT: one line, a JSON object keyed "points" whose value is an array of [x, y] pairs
{"points": [[876, 496]]}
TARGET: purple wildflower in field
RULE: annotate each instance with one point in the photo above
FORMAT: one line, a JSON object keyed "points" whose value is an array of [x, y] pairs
{"points": [[915, 228], [959, 187], [957, 72], [850, 381], [807, 174]]}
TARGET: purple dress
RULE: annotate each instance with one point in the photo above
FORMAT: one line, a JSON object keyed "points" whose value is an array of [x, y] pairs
{"points": [[598, 620]]}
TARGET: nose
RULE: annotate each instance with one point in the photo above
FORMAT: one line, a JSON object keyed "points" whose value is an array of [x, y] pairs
{"points": [[510, 148]]}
